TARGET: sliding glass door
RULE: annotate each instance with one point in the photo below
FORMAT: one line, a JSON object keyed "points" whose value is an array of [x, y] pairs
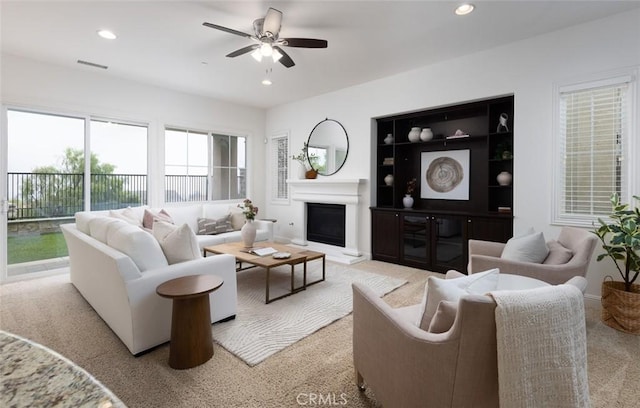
{"points": [[48, 180]]}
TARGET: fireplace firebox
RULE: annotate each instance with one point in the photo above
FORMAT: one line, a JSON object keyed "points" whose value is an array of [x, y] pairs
{"points": [[326, 223]]}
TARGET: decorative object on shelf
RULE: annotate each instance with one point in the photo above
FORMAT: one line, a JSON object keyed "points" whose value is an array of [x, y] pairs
{"points": [[621, 300], [407, 200], [426, 134], [388, 179], [446, 175], [311, 174], [502, 123], [388, 139], [303, 161], [414, 134], [504, 178], [504, 150], [458, 135], [248, 230], [388, 161]]}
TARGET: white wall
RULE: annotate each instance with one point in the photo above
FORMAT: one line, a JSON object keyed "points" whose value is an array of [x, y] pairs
{"points": [[35, 85], [528, 69]]}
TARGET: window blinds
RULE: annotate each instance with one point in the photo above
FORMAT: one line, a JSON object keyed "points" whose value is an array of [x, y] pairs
{"points": [[593, 125], [280, 168]]}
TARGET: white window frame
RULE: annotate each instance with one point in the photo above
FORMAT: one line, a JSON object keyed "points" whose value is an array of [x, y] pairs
{"points": [[275, 170], [631, 145]]}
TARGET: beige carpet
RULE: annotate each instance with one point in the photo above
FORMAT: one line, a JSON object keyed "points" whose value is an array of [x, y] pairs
{"points": [[51, 312]]}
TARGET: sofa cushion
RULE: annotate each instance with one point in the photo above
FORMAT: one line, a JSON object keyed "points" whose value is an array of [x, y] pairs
{"points": [[82, 221], [214, 210], [178, 243], [150, 216], [210, 240], [185, 215], [210, 226], [444, 317], [127, 215], [99, 226], [558, 254], [139, 245], [528, 248], [439, 290]]}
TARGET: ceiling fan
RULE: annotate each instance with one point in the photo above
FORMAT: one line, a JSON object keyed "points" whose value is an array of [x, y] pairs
{"points": [[268, 43]]}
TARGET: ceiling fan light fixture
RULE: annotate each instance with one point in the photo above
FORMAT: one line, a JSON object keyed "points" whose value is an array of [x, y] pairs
{"points": [[257, 55], [267, 81], [276, 55], [464, 9], [266, 50]]}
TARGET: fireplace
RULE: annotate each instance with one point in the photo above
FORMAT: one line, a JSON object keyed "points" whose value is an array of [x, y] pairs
{"points": [[326, 223]]}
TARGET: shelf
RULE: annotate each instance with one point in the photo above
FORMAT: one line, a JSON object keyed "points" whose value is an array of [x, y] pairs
{"points": [[500, 160]]}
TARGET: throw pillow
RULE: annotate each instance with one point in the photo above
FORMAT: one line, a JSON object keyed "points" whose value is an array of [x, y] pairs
{"points": [[444, 317], [141, 247], [452, 289], [237, 218], [558, 254], [149, 217], [207, 226], [529, 248], [179, 244], [98, 227]]}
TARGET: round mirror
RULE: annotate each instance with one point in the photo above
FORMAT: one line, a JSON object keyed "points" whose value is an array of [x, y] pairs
{"points": [[328, 146]]}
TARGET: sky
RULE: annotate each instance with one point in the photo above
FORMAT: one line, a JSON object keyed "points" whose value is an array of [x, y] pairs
{"points": [[37, 140]]}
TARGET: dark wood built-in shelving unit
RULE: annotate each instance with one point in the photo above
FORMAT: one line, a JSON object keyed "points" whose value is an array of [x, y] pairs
{"points": [[433, 234]]}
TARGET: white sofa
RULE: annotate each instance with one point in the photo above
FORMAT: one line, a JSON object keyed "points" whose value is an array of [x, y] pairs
{"points": [[117, 266]]}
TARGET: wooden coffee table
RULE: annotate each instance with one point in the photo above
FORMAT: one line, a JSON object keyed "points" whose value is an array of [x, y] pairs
{"points": [[298, 256], [191, 341]]}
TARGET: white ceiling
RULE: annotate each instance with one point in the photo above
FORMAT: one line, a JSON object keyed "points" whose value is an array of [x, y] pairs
{"points": [[164, 42]]}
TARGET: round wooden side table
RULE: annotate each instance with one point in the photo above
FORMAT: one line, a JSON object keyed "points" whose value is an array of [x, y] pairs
{"points": [[191, 341]]}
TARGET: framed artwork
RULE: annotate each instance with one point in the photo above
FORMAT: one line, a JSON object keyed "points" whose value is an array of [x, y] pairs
{"points": [[445, 175]]}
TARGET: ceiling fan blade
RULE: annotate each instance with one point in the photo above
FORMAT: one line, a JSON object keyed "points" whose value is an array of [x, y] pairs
{"points": [[286, 59], [272, 21], [244, 50], [304, 42], [227, 30]]}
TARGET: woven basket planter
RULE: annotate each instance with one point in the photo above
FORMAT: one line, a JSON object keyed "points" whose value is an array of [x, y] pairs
{"points": [[621, 309]]}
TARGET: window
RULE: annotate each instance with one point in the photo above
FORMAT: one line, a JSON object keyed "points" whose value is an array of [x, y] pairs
{"points": [[279, 168], [594, 123], [203, 166]]}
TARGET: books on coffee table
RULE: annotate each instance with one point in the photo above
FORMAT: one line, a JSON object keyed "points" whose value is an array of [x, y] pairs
{"points": [[263, 251]]}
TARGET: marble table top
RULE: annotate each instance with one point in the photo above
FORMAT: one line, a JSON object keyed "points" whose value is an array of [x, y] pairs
{"points": [[32, 375]]}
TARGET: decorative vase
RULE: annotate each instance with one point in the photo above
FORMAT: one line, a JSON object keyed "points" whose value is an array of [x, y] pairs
{"points": [[248, 233], [311, 174], [388, 179], [504, 178], [407, 201], [621, 309], [414, 134], [388, 139], [301, 170], [426, 134]]}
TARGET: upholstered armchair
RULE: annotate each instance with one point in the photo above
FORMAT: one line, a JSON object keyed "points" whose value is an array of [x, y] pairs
{"points": [[574, 243], [406, 366]]}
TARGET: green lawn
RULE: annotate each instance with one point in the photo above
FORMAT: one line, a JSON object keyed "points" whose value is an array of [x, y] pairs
{"points": [[28, 248]]}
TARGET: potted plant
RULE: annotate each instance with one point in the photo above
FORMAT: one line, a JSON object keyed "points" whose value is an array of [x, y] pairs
{"points": [[306, 170], [407, 200], [248, 230], [620, 236]]}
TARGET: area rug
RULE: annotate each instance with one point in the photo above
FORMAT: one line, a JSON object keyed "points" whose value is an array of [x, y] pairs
{"points": [[261, 330]]}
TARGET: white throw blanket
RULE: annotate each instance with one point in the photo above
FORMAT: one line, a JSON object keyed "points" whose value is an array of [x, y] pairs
{"points": [[542, 347]]}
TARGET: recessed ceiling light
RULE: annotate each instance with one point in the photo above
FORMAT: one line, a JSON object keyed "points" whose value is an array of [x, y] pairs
{"points": [[465, 9], [266, 82], [107, 34]]}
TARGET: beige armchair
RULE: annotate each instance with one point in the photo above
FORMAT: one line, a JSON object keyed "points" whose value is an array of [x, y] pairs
{"points": [[484, 255], [406, 366]]}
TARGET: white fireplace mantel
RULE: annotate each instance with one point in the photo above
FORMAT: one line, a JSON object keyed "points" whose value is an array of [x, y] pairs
{"points": [[331, 191]]}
